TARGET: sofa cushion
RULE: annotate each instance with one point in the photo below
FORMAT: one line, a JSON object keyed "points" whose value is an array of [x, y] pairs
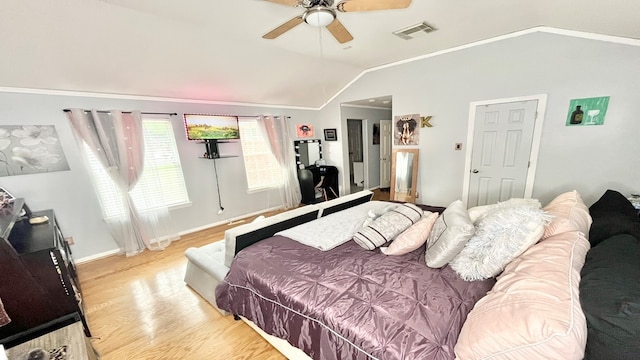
{"points": [[610, 298], [613, 214], [569, 214], [533, 311], [449, 235]]}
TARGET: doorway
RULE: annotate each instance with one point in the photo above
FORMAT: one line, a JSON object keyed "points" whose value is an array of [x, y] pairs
{"points": [[385, 154], [503, 141], [356, 155]]}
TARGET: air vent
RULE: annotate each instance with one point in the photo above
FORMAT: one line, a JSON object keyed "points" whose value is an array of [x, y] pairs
{"points": [[414, 30]]}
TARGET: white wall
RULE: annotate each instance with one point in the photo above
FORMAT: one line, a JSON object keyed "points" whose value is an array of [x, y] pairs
{"points": [[71, 194], [589, 159], [373, 116]]}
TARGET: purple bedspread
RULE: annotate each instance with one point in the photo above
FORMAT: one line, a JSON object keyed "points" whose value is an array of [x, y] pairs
{"points": [[350, 303]]}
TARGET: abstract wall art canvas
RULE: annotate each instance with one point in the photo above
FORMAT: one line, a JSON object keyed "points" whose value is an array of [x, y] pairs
{"points": [[30, 149]]}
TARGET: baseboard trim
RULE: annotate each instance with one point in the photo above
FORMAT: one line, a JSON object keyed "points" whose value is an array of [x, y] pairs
{"points": [[114, 252], [98, 256]]}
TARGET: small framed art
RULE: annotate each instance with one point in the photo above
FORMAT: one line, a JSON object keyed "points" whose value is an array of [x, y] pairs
{"points": [[330, 135], [5, 197]]}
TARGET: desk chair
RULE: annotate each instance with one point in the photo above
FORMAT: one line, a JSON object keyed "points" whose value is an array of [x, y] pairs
{"points": [[328, 182]]}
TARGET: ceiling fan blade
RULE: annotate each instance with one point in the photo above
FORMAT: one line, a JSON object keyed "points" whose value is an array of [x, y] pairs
{"points": [[286, 2], [369, 5], [283, 28], [339, 32]]}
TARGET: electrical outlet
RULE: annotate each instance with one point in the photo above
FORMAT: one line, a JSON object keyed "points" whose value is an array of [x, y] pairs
{"points": [[458, 146], [70, 240]]}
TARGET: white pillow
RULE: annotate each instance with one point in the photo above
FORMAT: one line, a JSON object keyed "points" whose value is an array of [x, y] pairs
{"points": [[475, 213], [502, 234], [448, 236], [412, 238]]}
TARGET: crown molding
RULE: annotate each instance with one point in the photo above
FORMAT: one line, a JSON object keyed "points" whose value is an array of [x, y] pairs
{"points": [[142, 98], [543, 29]]}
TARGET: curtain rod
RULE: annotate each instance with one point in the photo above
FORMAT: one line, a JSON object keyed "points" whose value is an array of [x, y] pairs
{"points": [[174, 114], [129, 112], [255, 116]]}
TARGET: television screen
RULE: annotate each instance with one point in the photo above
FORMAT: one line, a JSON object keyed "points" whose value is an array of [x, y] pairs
{"points": [[211, 127]]}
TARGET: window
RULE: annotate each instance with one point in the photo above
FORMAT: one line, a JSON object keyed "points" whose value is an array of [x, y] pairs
{"points": [[162, 181], [263, 170]]}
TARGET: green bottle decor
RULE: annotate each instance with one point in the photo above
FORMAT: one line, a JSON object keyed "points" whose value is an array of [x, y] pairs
{"points": [[576, 116]]}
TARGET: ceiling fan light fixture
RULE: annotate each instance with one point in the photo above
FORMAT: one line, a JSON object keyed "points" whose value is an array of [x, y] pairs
{"points": [[319, 16]]}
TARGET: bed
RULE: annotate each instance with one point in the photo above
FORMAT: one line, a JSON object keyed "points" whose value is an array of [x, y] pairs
{"points": [[347, 302]]}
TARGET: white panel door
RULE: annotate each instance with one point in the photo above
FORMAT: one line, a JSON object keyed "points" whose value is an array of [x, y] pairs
{"points": [[385, 154], [502, 138]]}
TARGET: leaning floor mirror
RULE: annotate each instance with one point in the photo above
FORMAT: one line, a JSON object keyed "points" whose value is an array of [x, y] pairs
{"points": [[404, 175]]}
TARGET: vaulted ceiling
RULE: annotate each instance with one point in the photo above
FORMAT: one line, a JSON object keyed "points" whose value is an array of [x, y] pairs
{"points": [[214, 50]]}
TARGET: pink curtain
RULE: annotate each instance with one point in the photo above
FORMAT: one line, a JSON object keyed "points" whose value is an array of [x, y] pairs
{"points": [[277, 131], [116, 139]]}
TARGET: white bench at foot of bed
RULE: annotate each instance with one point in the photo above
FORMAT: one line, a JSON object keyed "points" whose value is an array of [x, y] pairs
{"points": [[205, 270]]}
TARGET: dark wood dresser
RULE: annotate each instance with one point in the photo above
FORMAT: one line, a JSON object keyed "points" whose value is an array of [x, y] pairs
{"points": [[38, 280]]}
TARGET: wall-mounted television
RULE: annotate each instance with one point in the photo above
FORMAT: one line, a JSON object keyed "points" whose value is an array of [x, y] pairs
{"points": [[211, 127]]}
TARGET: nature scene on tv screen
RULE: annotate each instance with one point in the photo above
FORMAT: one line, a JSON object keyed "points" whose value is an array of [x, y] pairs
{"points": [[212, 127]]}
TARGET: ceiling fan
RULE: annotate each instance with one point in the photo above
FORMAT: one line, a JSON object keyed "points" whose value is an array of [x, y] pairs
{"points": [[322, 13]]}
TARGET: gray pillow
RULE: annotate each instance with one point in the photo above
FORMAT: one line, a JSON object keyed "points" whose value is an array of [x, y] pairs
{"points": [[449, 235]]}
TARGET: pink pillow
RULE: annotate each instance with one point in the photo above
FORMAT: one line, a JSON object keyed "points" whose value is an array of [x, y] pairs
{"points": [[533, 311], [413, 237], [569, 214]]}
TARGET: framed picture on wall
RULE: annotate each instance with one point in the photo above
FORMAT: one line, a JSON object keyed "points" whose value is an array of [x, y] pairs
{"points": [[330, 135], [407, 129], [304, 130], [5, 197]]}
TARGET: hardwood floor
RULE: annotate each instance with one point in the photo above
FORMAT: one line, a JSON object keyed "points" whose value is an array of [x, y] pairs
{"points": [[139, 308]]}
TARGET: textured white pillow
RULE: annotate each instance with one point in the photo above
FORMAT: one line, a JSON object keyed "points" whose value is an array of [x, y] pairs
{"points": [[502, 234], [413, 237], [448, 236]]}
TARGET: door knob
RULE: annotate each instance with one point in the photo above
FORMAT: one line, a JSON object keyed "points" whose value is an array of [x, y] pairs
{"points": [[475, 171]]}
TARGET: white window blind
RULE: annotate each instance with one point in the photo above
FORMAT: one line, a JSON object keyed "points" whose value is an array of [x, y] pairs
{"points": [[162, 181], [262, 168]]}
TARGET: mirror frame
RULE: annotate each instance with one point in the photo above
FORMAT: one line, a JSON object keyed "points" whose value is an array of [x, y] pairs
{"points": [[414, 176], [296, 146]]}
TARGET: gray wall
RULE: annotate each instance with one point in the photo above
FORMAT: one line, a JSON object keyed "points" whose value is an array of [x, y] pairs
{"points": [[71, 194], [589, 159]]}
